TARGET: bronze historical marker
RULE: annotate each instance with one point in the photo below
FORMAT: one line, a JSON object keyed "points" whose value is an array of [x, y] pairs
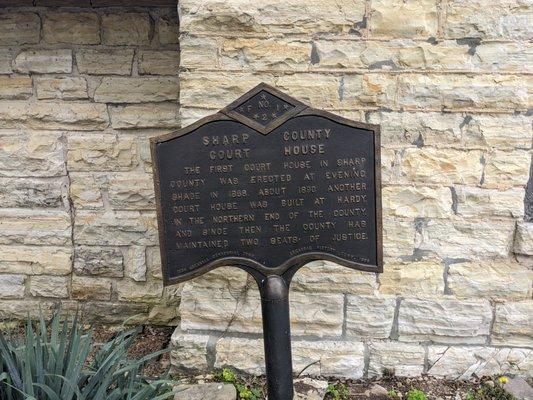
{"points": [[268, 184]]}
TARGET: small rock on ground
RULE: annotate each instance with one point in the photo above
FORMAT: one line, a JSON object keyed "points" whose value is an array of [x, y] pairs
{"points": [[309, 389], [377, 391], [519, 388], [206, 391]]}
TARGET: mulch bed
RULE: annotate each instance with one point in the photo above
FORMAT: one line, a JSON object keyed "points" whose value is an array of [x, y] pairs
{"points": [[434, 388], [151, 339]]}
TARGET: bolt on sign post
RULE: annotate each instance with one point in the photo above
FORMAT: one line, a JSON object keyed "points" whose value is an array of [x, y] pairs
{"points": [[268, 184]]}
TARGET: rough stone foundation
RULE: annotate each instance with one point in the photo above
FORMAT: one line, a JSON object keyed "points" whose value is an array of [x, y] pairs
{"points": [[82, 89]]}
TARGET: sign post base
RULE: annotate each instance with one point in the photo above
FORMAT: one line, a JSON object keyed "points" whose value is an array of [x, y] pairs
{"points": [[277, 337]]}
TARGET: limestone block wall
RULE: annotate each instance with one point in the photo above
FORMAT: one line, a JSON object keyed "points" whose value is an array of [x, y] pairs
{"points": [[81, 90], [450, 83]]}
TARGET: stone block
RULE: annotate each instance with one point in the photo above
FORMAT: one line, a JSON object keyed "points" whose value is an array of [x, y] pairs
{"points": [[5, 61], [33, 192], [135, 265], [398, 237], [416, 278], [485, 19], [115, 228], [368, 90], [48, 115], [50, 286], [164, 315], [400, 54], [199, 52], [124, 191], [131, 192], [499, 131], [494, 279], [102, 152], [17, 28], [12, 286], [71, 27], [417, 201], [168, 29], [44, 61], [369, 316], [264, 54], [325, 358], [189, 351], [246, 355], [523, 243], [189, 116], [477, 202], [321, 91], [86, 190], [84, 288], [126, 28], [146, 292], [273, 18], [329, 277], [401, 359], [339, 359], [390, 162], [437, 91], [31, 154], [136, 90], [401, 129], [506, 169], [36, 260], [230, 311], [104, 61], [99, 261], [446, 166], [65, 88], [15, 87], [153, 262], [159, 62], [233, 280], [513, 323], [136, 116], [498, 56], [38, 227], [444, 320], [457, 238], [105, 312], [193, 88], [465, 363], [14, 309], [398, 18]]}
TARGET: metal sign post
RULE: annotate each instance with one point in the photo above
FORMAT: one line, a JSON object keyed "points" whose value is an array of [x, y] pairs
{"points": [[268, 184]]}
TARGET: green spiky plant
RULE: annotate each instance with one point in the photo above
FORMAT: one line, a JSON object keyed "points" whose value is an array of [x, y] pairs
{"points": [[54, 362]]}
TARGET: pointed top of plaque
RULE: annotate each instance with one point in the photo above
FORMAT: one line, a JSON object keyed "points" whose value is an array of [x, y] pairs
{"points": [[263, 108]]}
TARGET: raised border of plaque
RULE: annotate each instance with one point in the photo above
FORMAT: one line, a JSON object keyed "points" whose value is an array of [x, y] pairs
{"points": [[295, 109]]}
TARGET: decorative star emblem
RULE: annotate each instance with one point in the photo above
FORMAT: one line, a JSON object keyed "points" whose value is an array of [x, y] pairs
{"points": [[263, 108]]}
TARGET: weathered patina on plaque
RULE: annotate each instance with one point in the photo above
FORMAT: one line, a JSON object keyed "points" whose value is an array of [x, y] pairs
{"points": [[268, 183]]}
